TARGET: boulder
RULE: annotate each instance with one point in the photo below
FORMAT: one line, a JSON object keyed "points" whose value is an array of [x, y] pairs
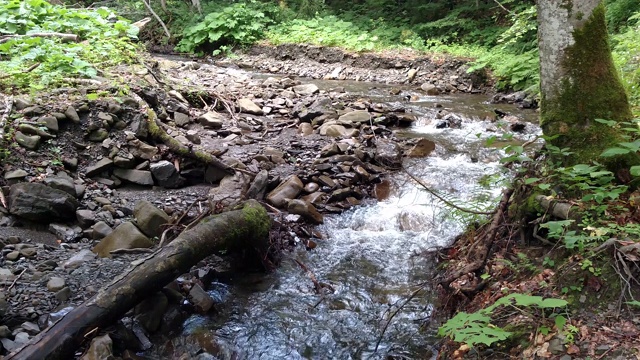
{"points": [[422, 148], [249, 107], [211, 120], [166, 174], [26, 141], [61, 181], [39, 202], [429, 89], [306, 210], [288, 189], [305, 89], [125, 236], [230, 191], [140, 177], [150, 219], [99, 167], [356, 116], [181, 119]]}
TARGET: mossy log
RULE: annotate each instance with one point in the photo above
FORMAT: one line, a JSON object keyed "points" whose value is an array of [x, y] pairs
{"points": [[558, 209], [243, 229]]}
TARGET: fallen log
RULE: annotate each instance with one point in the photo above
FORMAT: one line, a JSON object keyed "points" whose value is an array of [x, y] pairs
{"points": [[243, 229], [559, 209]]}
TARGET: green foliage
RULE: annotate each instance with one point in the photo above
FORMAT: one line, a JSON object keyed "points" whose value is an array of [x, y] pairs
{"points": [[619, 12], [626, 55], [103, 42], [476, 328], [235, 24]]}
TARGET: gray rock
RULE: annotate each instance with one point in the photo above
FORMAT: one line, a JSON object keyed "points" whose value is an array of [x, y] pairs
{"points": [[150, 219], [258, 186], [230, 191], [213, 175], [125, 161], [211, 120], [33, 110], [70, 163], [72, 114], [98, 135], [249, 107], [64, 294], [181, 119], [142, 150], [429, 89], [422, 148], [200, 299], [21, 338], [28, 252], [356, 116], [125, 236], [388, 153], [166, 174], [50, 122], [101, 348], [333, 130], [9, 345], [306, 210], [30, 328], [100, 230], [32, 130], [305, 129], [6, 275], [288, 189], [140, 177], [99, 167], [13, 256], [305, 89], [38, 202], [61, 181], [192, 135], [16, 175], [86, 218], [26, 141], [78, 259], [56, 284], [150, 311], [21, 103], [64, 232]]}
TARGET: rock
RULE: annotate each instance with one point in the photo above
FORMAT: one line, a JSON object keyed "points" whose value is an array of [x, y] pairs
{"points": [[55, 284], [258, 186], [28, 142], [140, 177], [16, 175], [61, 181], [305, 129], [98, 135], [125, 161], [412, 74], [430, 89], [70, 163], [28, 252], [50, 122], [101, 348], [249, 107], [181, 119], [305, 89], [21, 103], [9, 345], [64, 232], [4, 331], [318, 108], [33, 110], [101, 230], [64, 294], [140, 127], [99, 167], [86, 218], [230, 191], [78, 259], [150, 219], [166, 174], [422, 148], [142, 150], [326, 181], [356, 116], [382, 190], [30, 327], [13, 256], [125, 236], [288, 189], [192, 135], [32, 130], [72, 114], [6, 275], [305, 209], [388, 153], [150, 311], [333, 130], [200, 299], [211, 120], [38, 202], [311, 187]]}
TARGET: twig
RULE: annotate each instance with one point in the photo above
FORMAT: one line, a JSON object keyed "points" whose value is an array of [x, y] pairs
{"points": [[384, 329], [148, 6], [448, 203], [16, 279], [318, 286], [504, 8]]}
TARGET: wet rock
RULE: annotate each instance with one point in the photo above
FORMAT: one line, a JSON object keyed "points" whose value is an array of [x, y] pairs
{"points": [[288, 189], [72, 115], [258, 186], [166, 174], [248, 106], [16, 175], [101, 230], [305, 89], [230, 191], [340, 194], [181, 119], [55, 284], [150, 311], [26, 141], [311, 187], [101, 348], [61, 181], [306, 210], [79, 258], [64, 294], [211, 120], [125, 236], [388, 153], [422, 148], [150, 219], [64, 232], [382, 190], [325, 180], [99, 167], [38, 202], [200, 299], [356, 116], [430, 89], [140, 177]]}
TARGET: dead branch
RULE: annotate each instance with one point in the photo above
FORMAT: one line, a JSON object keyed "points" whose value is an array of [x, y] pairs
{"points": [[148, 6], [64, 37], [559, 209]]}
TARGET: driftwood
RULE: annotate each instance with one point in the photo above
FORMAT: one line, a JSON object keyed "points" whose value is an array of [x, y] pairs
{"points": [[561, 210], [62, 36], [243, 229]]}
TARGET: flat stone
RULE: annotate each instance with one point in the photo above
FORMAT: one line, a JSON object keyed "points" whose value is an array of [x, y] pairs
{"points": [[26, 141], [211, 120], [305, 89], [79, 258], [288, 189], [63, 294], [429, 89], [249, 107], [56, 284], [140, 177], [30, 327], [150, 219], [28, 252], [181, 119], [21, 103], [9, 344], [99, 167], [125, 236], [356, 116], [38, 202], [61, 181], [16, 175]]}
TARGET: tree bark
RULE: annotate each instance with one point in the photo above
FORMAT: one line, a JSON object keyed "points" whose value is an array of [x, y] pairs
{"points": [[243, 229], [578, 80]]}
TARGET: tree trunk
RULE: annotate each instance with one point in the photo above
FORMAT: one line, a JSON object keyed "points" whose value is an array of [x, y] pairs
{"points": [[578, 80], [243, 229]]}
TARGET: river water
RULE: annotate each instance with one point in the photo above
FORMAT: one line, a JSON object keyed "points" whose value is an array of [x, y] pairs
{"points": [[375, 256]]}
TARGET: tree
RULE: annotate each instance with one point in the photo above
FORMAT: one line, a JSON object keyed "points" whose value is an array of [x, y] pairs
{"points": [[578, 80]]}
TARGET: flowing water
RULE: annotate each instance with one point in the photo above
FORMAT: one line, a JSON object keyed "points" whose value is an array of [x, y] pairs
{"points": [[374, 256]]}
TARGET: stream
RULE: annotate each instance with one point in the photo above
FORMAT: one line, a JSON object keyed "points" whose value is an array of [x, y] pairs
{"points": [[376, 256]]}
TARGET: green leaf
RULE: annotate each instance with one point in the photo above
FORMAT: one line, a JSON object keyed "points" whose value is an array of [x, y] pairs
{"points": [[614, 152], [530, 181], [635, 170], [606, 122], [544, 186], [552, 303], [560, 322]]}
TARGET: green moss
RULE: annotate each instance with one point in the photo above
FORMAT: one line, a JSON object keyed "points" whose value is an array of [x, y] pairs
{"points": [[257, 219], [591, 90]]}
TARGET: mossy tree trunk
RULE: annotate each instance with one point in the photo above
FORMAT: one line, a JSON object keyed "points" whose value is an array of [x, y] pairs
{"points": [[578, 80]]}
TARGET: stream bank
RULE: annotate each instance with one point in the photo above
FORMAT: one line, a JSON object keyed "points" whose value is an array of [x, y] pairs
{"points": [[333, 148]]}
